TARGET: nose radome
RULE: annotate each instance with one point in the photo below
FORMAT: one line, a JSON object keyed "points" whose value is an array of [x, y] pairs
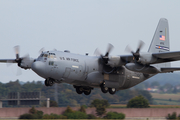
{"points": [[38, 67]]}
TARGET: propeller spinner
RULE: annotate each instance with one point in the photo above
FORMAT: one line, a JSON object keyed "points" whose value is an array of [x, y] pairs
{"points": [[135, 54], [105, 57]]}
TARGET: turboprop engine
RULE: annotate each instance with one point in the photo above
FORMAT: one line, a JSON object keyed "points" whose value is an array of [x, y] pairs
{"points": [[146, 69], [23, 62]]}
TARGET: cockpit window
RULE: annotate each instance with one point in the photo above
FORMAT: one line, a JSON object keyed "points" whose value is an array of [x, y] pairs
{"points": [[52, 55], [45, 55], [41, 55]]}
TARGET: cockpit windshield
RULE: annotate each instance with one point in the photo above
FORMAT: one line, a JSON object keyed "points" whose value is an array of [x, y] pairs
{"points": [[52, 55], [48, 55], [44, 55]]}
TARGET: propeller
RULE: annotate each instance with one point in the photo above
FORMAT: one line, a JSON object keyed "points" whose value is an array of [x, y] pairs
{"points": [[16, 49], [41, 50], [24, 62], [105, 57], [135, 54], [19, 60]]}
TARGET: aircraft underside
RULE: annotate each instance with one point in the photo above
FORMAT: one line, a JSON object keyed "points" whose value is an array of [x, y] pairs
{"points": [[109, 82]]}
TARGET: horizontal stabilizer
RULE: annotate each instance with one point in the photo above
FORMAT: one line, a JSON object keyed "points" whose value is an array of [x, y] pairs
{"points": [[165, 55], [170, 69]]}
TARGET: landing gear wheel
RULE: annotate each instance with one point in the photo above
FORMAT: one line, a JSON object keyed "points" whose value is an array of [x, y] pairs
{"points": [[87, 92], [112, 90], [50, 82], [79, 90], [104, 89], [46, 82]]}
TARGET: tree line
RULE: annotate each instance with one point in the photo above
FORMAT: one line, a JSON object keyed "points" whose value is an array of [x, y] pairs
{"points": [[65, 94]]}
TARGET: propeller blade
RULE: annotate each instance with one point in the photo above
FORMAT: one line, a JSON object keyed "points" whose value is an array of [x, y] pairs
{"points": [[19, 71], [135, 54], [128, 49], [97, 52], [9, 63], [16, 49], [109, 49], [141, 44], [41, 50]]}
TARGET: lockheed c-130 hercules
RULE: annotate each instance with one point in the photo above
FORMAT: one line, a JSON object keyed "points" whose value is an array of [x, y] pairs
{"points": [[110, 73]]}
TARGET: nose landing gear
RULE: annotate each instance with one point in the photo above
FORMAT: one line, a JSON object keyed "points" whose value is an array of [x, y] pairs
{"points": [[49, 82]]}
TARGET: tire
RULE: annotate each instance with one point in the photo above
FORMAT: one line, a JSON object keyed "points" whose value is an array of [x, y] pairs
{"points": [[87, 92], [104, 89], [78, 90], [46, 82], [112, 90], [50, 82]]}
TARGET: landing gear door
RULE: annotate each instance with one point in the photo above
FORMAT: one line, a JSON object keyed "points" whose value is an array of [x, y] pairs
{"points": [[54, 69], [67, 72]]}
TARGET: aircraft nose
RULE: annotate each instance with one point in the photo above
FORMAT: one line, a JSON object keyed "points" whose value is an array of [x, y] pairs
{"points": [[38, 67]]}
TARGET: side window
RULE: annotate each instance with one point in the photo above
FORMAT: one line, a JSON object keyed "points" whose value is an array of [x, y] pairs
{"points": [[51, 63]]}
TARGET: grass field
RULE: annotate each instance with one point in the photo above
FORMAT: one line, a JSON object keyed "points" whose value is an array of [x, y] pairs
{"points": [[166, 96], [163, 101], [151, 106], [166, 99]]}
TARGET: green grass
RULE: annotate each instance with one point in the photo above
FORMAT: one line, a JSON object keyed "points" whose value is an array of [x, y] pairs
{"points": [[166, 99], [151, 106], [163, 101], [166, 96], [52, 119]]}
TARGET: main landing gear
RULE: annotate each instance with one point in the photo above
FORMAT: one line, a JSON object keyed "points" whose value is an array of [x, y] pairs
{"points": [[49, 82], [85, 90], [106, 89]]}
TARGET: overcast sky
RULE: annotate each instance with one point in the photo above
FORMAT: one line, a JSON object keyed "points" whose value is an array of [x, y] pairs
{"points": [[80, 26]]}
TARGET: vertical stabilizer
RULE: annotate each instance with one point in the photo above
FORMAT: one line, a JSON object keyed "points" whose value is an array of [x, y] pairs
{"points": [[160, 41]]}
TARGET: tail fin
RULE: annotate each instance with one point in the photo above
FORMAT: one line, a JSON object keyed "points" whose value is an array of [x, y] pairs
{"points": [[160, 41]]}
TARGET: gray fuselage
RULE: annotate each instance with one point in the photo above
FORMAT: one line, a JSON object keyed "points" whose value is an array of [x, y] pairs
{"points": [[83, 70]]}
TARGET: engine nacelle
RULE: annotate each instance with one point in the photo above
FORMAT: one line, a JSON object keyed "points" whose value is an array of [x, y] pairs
{"points": [[146, 69], [115, 61], [26, 63], [146, 58]]}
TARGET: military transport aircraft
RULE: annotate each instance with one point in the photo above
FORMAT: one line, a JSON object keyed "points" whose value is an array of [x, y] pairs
{"points": [[110, 73]]}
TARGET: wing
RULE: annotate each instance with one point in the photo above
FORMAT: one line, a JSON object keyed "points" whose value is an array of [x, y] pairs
{"points": [[166, 57], [8, 60], [160, 57], [126, 58], [171, 69]]}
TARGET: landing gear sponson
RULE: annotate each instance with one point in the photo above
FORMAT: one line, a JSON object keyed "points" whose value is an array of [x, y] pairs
{"points": [[106, 89], [87, 90], [82, 89]]}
